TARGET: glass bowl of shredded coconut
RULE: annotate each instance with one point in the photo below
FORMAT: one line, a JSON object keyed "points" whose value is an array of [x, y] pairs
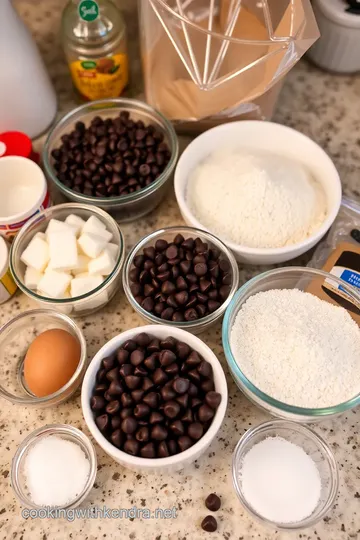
{"points": [[267, 191], [54, 467], [292, 353], [285, 475]]}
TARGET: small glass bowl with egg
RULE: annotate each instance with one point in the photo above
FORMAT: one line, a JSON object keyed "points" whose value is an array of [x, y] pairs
{"points": [[43, 358], [69, 257]]}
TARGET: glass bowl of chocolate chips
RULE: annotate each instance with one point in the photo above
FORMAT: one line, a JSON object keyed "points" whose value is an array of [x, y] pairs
{"points": [[180, 276], [117, 154], [154, 398]]}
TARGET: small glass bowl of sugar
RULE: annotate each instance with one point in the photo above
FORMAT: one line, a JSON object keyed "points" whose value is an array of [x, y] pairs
{"points": [[285, 475], [54, 467]]}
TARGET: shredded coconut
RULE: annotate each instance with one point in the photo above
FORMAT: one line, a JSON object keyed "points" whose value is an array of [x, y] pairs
{"points": [[297, 348], [261, 201], [280, 480]]}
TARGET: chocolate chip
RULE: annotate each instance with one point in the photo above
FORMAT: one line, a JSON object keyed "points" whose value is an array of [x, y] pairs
{"points": [[205, 413], [141, 410], [213, 502], [213, 399], [143, 434], [126, 369], [113, 407], [137, 357], [132, 381], [117, 438], [171, 409], [209, 524], [195, 430], [184, 442], [148, 451], [205, 369], [159, 432], [163, 450], [152, 400], [181, 385], [129, 425], [131, 446], [167, 357], [177, 427], [97, 403], [156, 417], [137, 395], [102, 422]]}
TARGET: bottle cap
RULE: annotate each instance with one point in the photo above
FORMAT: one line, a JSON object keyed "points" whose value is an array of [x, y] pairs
{"points": [[15, 143]]}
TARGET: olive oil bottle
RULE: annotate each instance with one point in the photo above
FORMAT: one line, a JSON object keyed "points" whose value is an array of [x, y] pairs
{"points": [[94, 42]]}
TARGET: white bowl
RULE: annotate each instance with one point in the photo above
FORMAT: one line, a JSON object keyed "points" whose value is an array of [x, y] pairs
{"points": [[23, 193], [178, 461], [262, 136]]}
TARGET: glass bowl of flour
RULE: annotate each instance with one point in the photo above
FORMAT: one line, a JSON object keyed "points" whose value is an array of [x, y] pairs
{"points": [[267, 191], [292, 352]]}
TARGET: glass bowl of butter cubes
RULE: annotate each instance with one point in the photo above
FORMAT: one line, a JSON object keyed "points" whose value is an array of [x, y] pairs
{"points": [[69, 257]]}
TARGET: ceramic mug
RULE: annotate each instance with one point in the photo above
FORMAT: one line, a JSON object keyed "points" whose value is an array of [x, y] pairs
{"points": [[23, 193]]}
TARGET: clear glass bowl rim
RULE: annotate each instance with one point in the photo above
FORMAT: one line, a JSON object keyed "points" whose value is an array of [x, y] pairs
{"points": [[45, 213], [241, 377], [123, 103], [175, 230], [54, 429], [306, 432], [82, 362]]}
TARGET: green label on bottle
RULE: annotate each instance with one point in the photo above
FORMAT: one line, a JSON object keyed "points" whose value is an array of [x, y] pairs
{"points": [[88, 10], [88, 64]]}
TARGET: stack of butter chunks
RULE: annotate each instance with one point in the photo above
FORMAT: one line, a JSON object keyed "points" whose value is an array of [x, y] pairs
{"points": [[70, 259]]}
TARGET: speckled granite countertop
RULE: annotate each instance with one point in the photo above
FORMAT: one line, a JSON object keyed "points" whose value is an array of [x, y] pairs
{"points": [[326, 107]]}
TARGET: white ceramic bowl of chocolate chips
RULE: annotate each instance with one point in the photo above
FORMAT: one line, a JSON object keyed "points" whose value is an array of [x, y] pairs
{"points": [[154, 398]]}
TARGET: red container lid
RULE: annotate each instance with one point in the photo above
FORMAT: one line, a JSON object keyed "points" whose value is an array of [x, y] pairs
{"points": [[15, 143]]}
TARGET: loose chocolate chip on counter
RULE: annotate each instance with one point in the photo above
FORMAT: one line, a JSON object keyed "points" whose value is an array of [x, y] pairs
{"points": [[187, 280], [111, 158], [212, 502], [355, 234], [209, 524], [159, 399]]}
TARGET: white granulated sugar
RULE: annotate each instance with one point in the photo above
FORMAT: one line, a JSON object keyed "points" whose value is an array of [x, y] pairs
{"points": [[280, 481], [56, 471], [297, 348], [261, 201]]}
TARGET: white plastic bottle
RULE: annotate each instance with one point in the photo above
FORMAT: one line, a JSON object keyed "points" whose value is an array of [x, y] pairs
{"points": [[27, 98]]}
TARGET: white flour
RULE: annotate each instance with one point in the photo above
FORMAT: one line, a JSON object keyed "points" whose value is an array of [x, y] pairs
{"points": [[297, 348], [280, 480], [263, 200]]}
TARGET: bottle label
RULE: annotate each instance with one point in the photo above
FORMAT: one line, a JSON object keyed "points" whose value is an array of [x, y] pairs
{"points": [[88, 10], [102, 78]]}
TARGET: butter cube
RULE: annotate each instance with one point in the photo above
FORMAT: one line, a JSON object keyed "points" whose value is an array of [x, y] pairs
{"points": [[102, 265], [82, 265], [82, 285], [95, 226], [75, 221], [54, 284], [63, 250], [40, 235], [57, 226], [113, 250], [36, 254], [32, 278], [92, 244]]}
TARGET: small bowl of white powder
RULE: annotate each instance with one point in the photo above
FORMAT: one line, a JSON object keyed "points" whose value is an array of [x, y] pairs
{"points": [[285, 475], [290, 352], [55, 466], [267, 191]]}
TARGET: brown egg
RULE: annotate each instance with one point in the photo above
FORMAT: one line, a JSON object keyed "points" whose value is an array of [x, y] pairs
{"points": [[51, 361]]}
